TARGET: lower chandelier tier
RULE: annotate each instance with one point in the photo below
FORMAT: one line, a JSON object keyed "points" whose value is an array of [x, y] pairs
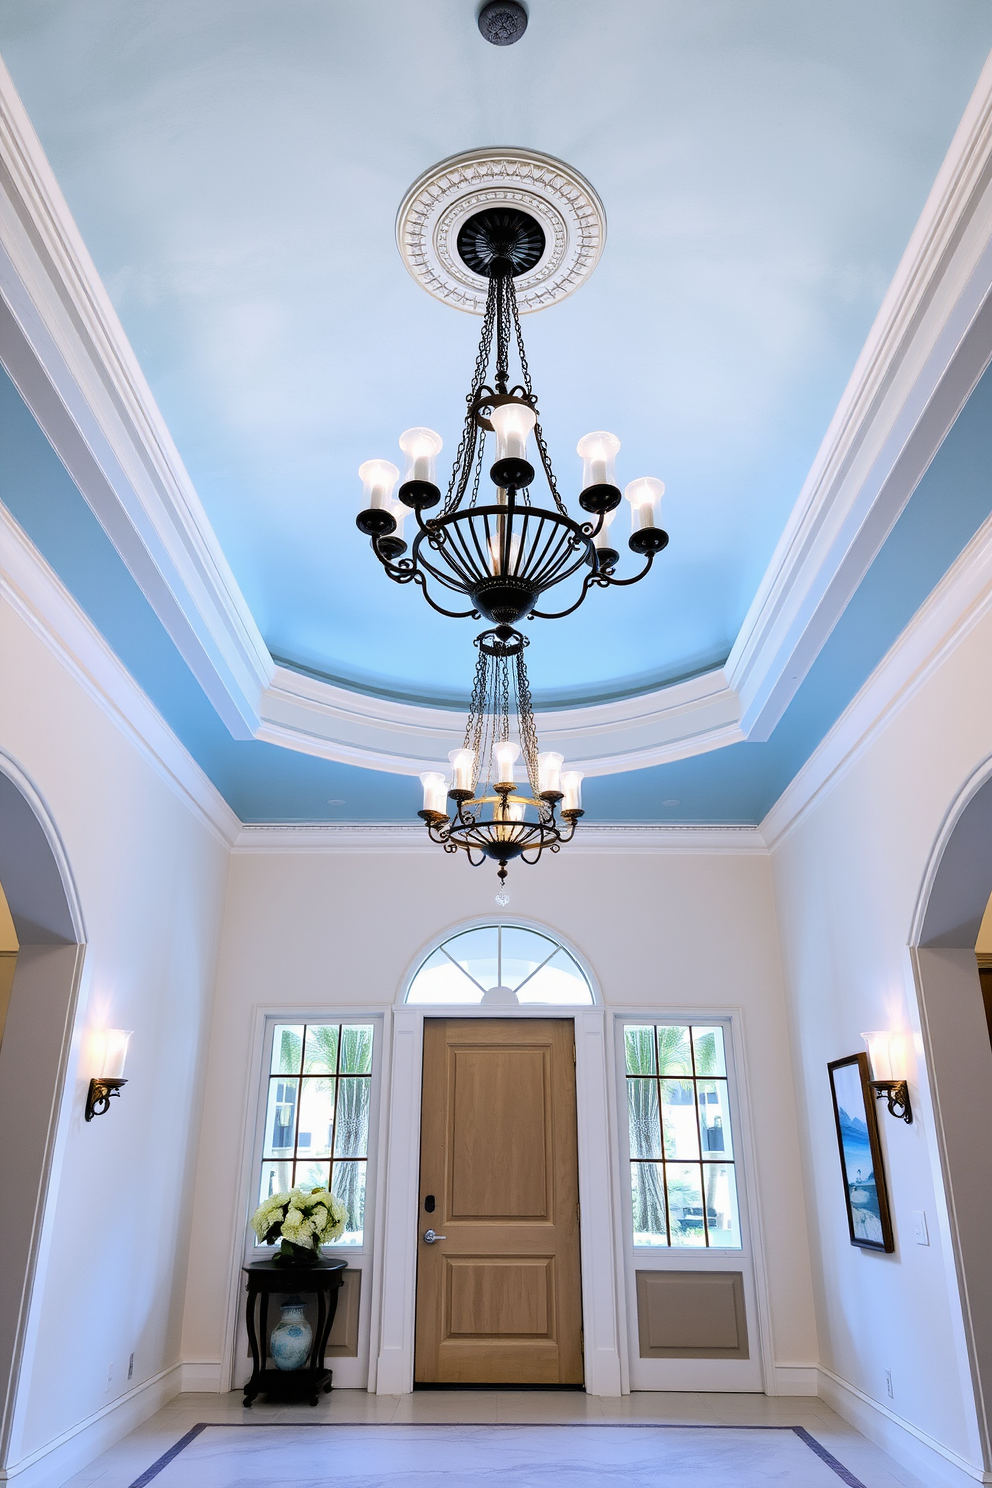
{"points": [[488, 814]]}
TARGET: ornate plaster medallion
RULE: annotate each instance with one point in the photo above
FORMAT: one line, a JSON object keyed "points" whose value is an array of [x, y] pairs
{"points": [[438, 204]]}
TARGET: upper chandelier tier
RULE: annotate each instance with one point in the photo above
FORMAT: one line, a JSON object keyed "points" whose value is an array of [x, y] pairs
{"points": [[504, 554]]}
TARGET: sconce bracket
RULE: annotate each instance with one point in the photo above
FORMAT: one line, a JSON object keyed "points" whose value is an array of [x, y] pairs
{"points": [[100, 1092], [895, 1093]]}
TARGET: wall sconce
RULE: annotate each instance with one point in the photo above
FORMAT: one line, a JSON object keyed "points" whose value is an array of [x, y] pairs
{"points": [[887, 1056], [109, 1082]]}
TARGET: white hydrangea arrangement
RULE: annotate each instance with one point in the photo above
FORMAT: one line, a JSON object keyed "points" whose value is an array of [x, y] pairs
{"points": [[304, 1218]]}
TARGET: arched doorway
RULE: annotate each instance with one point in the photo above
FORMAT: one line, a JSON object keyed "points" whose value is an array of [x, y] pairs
{"points": [[34, 1054], [958, 1050]]}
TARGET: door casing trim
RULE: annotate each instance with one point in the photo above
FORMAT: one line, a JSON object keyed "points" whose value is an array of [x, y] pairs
{"points": [[603, 1312]]}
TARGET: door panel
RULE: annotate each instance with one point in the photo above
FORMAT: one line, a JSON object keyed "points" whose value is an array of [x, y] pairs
{"points": [[498, 1298]]}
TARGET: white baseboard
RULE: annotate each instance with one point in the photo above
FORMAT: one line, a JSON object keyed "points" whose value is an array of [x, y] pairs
{"points": [[936, 1465], [202, 1379], [60, 1459], [795, 1379]]}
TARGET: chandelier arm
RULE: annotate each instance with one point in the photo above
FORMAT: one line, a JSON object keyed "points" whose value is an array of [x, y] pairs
{"points": [[400, 572], [418, 578], [587, 582], [606, 579]]}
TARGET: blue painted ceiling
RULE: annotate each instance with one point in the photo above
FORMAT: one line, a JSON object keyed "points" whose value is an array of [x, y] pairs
{"points": [[235, 169], [265, 783]]}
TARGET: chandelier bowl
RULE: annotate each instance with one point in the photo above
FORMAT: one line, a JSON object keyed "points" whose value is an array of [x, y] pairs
{"points": [[502, 557]]}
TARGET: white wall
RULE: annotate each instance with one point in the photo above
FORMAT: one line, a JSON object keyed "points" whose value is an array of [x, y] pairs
{"points": [[150, 878], [660, 931], [848, 879]]}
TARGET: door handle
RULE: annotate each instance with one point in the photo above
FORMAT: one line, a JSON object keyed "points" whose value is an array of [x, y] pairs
{"points": [[430, 1237]]}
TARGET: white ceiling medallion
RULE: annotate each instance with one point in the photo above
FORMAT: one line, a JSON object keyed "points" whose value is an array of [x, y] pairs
{"points": [[442, 200]]}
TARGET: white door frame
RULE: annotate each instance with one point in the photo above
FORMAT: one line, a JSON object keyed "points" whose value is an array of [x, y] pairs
{"points": [[603, 1312]]}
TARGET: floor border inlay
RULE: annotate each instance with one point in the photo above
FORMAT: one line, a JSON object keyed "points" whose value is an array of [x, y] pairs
{"points": [[825, 1456]]}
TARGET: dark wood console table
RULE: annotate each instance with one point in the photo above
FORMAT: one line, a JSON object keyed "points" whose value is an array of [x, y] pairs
{"points": [[266, 1278]]}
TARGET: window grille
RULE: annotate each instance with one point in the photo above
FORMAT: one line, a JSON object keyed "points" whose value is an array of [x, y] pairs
{"points": [[317, 1114], [683, 1179]]}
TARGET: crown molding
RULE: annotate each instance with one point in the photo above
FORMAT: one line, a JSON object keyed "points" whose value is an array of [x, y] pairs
{"points": [[960, 601], [66, 351], [687, 718], [930, 343], [618, 838], [37, 595]]}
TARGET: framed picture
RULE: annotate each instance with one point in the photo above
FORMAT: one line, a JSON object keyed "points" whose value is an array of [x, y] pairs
{"points": [[867, 1201]]}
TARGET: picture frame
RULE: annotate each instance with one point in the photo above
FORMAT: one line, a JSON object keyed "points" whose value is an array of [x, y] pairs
{"points": [[869, 1219]]}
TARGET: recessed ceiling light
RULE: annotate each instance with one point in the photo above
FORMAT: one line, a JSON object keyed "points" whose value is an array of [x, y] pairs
{"points": [[503, 22]]}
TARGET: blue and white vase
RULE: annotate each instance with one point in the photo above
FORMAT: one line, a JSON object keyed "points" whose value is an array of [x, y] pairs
{"points": [[290, 1339]]}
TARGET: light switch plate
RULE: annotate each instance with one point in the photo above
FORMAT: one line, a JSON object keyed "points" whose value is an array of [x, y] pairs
{"points": [[920, 1232]]}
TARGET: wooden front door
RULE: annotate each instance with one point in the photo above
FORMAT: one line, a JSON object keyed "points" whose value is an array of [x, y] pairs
{"points": [[498, 1297]]}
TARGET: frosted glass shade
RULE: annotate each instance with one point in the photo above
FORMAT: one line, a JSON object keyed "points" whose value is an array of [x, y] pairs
{"points": [[599, 459], [435, 791], [549, 771], [513, 424], [462, 769], [421, 447], [644, 495], [571, 784], [378, 479], [888, 1054], [506, 755], [113, 1054]]}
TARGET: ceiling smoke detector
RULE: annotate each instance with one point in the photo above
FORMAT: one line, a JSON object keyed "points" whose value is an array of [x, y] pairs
{"points": [[503, 22]]}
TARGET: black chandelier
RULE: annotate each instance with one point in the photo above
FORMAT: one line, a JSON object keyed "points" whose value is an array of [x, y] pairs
{"points": [[487, 759], [503, 555]]}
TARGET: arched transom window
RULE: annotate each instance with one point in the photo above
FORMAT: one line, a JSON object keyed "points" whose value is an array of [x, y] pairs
{"points": [[503, 965]]}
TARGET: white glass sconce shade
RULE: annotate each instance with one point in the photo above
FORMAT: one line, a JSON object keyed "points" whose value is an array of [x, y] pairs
{"points": [[506, 755], [113, 1054], [513, 423], [599, 459], [549, 771], [378, 479], [462, 769], [435, 791], [888, 1054], [421, 447], [644, 495], [571, 784]]}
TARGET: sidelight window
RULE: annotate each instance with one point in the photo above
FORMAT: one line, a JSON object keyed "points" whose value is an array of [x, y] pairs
{"points": [[317, 1110], [683, 1178]]}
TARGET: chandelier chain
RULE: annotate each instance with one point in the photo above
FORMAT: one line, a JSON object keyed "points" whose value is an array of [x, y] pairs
{"points": [[528, 384], [465, 453], [528, 729]]}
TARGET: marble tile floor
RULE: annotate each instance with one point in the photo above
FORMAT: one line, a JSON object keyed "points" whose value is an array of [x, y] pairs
{"points": [[214, 1464]]}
